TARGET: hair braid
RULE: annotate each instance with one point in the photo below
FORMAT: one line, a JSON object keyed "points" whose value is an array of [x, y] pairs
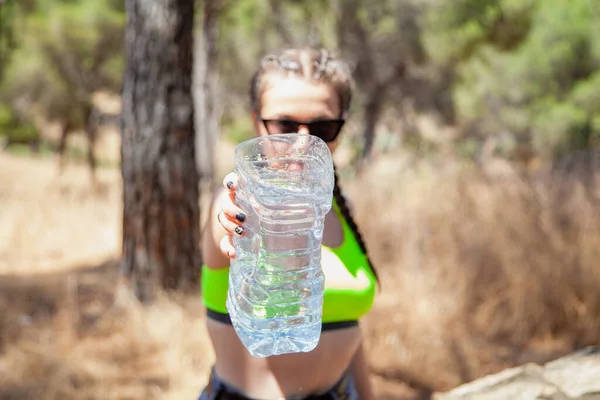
{"points": [[343, 205]]}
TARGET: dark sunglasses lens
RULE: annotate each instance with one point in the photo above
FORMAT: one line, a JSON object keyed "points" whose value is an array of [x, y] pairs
{"points": [[326, 130], [277, 127]]}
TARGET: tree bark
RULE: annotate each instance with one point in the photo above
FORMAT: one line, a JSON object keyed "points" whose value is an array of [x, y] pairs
{"points": [[280, 23], [375, 101], [207, 102], [160, 180]]}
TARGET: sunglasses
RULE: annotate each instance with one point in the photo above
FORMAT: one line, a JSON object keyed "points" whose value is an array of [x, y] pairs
{"points": [[327, 130]]}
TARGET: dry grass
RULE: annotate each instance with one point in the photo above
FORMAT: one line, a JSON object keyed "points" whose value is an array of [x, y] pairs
{"points": [[481, 269], [50, 221], [80, 335], [66, 332]]}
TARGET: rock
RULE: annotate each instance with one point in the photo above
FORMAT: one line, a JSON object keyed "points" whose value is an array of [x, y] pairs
{"points": [[524, 382], [576, 376]]}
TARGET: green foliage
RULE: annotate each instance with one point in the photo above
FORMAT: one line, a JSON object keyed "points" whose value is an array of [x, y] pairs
{"points": [[14, 130], [456, 29], [8, 22], [525, 73], [238, 130], [544, 90], [66, 51]]}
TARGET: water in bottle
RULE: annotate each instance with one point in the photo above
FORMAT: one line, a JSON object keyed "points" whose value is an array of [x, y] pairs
{"points": [[276, 284]]}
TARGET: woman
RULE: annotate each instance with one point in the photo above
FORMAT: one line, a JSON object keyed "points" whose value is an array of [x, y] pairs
{"points": [[305, 91]]}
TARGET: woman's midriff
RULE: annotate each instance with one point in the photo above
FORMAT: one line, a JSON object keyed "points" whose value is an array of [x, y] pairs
{"points": [[287, 375]]}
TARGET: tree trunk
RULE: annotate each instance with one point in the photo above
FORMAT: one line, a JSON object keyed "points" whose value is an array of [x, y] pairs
{"points": [[207, 117], [376, 98], [280, 23], [373, 108], [160, 181]]}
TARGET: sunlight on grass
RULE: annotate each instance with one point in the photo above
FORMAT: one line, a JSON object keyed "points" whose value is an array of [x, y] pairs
{"points": [[482, 268]]}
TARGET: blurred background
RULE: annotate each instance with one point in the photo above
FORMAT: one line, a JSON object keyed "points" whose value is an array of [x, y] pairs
{"points": [[475, 130]]}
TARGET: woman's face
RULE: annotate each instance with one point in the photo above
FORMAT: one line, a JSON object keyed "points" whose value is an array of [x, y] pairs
{"points": [[299, 100]]}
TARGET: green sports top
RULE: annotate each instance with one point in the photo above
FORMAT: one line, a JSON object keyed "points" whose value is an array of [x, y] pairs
{"points": [[339, 304]]}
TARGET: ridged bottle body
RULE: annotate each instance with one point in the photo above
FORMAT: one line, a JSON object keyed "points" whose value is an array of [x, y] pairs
{"points": [[276, 282]]}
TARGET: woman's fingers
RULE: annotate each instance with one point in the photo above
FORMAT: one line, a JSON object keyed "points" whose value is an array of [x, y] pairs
{"points": [[228, 206], [231, 211], [230, 181], [227, 246], [231, 217], [231, 225]]}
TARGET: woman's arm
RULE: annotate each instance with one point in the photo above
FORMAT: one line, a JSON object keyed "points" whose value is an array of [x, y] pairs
{"points": [[359, 367], [212, 235]]}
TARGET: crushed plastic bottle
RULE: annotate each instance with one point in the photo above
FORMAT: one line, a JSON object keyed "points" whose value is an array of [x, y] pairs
{"points": [[276, 284]]}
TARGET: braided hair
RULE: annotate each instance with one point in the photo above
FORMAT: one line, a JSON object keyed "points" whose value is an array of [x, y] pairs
{"points": [[320, 65], [343, 206], [308, 63]]}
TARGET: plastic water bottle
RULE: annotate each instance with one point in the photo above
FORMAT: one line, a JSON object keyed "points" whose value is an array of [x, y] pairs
{"points": [[276, 284]]}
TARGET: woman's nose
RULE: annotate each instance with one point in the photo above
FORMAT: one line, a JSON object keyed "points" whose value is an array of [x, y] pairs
{"points": [[303, 130]]}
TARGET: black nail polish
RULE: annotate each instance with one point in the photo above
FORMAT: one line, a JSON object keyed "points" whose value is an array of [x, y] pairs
{"points": [[240, 217], [229, 185], [239, 230]]}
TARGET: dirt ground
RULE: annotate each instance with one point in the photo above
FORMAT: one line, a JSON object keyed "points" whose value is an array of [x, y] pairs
{"points": [[67, 330], [480, 271]]}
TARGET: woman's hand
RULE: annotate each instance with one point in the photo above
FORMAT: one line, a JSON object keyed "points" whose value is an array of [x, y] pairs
{"points": [[231, 217]]}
